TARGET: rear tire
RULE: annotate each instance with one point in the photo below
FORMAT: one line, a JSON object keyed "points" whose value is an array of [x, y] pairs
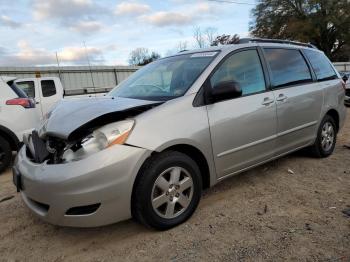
{"points": [[5, 154], [167, 190], [326, 138]]}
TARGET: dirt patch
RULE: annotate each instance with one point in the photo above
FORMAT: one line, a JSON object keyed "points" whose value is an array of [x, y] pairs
{"points": [[268, 213]]}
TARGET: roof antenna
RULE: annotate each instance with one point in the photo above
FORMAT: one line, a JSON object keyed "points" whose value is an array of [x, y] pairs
{"points": [[58, 66], [88, 60]]}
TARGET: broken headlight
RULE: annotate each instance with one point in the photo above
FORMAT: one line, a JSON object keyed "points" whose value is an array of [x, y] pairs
{"points": [[102, 138]]}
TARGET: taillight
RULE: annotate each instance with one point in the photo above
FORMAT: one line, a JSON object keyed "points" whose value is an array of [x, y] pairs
{"points": [[25, 102]]}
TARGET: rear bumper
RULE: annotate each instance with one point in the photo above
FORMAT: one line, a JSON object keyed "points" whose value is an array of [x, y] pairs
{"points": [[104, 179]]}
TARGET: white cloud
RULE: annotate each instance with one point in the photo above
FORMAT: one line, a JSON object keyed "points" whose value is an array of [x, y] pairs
{"points": [[7, 21], [78, 54], [167, 19], [63, 9], [204, 7], [86, 27], [133, 8], [185, 15], [29, 56]]}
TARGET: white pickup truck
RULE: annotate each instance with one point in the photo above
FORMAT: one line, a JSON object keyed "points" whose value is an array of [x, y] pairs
{"points": [[23, 103], [46, 91]]}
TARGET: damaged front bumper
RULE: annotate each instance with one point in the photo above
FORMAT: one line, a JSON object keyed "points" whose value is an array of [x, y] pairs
{"points": [[90, 192]]}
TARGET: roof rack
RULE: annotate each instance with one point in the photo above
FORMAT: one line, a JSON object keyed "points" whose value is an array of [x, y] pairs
{"points": [[277, 41]]}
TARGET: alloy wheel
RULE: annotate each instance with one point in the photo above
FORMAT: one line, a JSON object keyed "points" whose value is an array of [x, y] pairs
{"points": [[327, 136], [172, 192]]}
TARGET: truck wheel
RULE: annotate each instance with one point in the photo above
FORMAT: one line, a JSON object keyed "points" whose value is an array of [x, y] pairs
{"points": [[167, 190], [5, 154], [326, 138]]}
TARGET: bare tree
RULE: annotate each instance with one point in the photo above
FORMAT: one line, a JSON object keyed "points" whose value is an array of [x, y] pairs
{"points": [[142, 56], [211, 34], [199, 37], [182, 45], [138, 55], [204, 37]]}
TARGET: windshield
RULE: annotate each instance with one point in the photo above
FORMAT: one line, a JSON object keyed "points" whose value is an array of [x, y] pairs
{"points": [[166, 78]]}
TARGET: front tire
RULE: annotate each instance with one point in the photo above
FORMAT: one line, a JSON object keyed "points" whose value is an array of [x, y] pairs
{"points": [[5, 154], [326, 138], [167, 190]]}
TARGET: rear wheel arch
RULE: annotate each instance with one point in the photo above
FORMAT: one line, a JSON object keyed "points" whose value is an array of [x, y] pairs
{"points": [[334, 114], [326, 136]]}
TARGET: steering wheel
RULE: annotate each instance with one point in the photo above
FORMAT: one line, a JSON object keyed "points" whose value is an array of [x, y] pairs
{"points": [[155, 86]]}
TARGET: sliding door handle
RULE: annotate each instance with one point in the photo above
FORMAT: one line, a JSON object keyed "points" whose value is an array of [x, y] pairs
{"points": [[281, 98], [267, 101]]}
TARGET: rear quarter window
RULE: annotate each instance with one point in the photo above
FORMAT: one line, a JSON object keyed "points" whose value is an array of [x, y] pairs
{"points": [[321, 65]]}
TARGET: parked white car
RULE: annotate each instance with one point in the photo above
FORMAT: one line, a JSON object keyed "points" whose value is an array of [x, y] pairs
{"points": [[18, 115], [46, 91]]}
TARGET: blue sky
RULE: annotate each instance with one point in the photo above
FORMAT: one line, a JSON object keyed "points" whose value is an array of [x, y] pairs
{"points": [[33, 30]]}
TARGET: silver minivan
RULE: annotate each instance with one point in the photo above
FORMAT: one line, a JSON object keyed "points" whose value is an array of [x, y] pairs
{"points": [[175, 127]]}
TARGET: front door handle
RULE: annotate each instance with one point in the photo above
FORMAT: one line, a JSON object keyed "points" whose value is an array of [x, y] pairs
{"points": [[281, 98], [267, 101]]}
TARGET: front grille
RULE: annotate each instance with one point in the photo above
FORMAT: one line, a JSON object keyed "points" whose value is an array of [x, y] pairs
{"points": [[40, 151], [29, 154]]}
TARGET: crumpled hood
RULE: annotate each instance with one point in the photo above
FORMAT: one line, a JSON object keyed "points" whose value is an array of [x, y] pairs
{"points": [[83, 113]]}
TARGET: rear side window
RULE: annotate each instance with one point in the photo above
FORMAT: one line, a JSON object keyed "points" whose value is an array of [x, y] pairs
{"points": [[27, 87], [320, 64], [48, 88], [244, 68], [19, 92], [288, 67]]}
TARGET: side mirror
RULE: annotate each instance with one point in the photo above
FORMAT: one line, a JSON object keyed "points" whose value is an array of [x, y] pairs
{"points": [[345, 78], [225, 90]]}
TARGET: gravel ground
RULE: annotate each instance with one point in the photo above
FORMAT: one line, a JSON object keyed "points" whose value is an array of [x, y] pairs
{"points": [[266, 214]]}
